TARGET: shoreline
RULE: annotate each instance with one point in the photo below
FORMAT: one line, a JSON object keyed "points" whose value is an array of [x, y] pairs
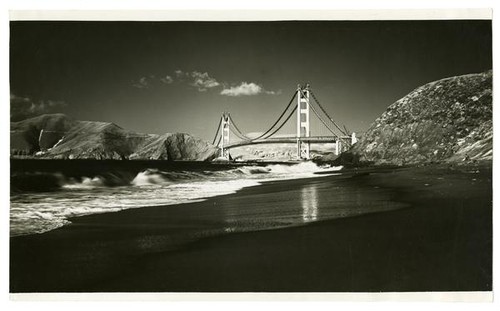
{"points": [[258, 179], [185, 270], [340, 175]]}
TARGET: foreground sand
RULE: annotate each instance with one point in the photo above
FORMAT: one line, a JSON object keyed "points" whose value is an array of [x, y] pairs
{"points": [[440, 240]]}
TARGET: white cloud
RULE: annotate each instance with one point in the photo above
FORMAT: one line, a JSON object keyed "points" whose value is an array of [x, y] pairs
{"points": [[200, 80], [203, 81], [143, 83], [167, 79], [273, 92], [244, 89], [24, 107]]}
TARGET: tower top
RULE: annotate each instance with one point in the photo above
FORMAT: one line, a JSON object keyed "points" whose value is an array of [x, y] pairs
{"points": [[305, 87]]}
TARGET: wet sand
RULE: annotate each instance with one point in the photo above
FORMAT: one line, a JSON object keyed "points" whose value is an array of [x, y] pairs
{"points": [[435, 236]]}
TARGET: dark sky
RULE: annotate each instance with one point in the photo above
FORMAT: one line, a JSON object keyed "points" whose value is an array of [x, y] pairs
{"points": [[125, 72]]}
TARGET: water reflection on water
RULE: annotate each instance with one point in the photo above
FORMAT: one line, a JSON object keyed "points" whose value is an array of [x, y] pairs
{"points": [[309, 200], [302, 203]]}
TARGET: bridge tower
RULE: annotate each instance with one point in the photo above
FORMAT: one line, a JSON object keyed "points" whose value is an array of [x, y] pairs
{"points": [[224, 130], [303, 147]]}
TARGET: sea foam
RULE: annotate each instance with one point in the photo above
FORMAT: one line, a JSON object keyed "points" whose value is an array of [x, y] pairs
{"points": [[45, 211]]}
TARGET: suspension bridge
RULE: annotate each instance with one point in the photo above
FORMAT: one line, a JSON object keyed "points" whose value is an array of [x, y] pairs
{"points": [[325, 131]]}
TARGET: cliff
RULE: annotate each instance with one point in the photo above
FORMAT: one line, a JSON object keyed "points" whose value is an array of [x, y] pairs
{"points": [[57, 136]]}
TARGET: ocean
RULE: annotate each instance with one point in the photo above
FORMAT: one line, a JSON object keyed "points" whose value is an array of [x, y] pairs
{"points": [[322, 229], [45, 194]]}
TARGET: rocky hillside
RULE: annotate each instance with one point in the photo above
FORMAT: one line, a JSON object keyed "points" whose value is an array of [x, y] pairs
{"points": [[449, 120], [57, 136]]}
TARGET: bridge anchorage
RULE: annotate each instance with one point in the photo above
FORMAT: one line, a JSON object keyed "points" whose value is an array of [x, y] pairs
{"points": [[327, 132]]}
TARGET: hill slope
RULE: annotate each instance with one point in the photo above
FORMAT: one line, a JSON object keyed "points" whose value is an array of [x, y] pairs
{"points": [[57, 136], [448, 120]]}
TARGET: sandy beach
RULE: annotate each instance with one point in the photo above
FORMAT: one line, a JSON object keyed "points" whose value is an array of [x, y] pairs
{"points": [[433, 232]]}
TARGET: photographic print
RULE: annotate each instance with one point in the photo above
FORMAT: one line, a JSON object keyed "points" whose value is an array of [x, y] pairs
{"points": [[266, 156]]}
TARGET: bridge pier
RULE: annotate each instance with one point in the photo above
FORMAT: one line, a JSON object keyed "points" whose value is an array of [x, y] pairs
{"points": [[354, 139], [225, 123], [303, 148], [338, 146]]}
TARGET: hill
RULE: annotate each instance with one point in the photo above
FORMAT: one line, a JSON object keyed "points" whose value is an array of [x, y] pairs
{"points": [[448, 120], [57, 136]]}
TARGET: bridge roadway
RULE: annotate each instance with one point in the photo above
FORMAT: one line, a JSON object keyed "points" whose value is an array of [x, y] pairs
{"points": [[285, 140]]}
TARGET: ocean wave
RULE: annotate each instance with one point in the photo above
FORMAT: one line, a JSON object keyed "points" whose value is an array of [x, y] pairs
{"points": [[87, 182], [38, 212]]}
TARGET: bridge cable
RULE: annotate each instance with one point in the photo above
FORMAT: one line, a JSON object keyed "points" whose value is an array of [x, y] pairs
{"points": [[326, 113], [277, 121], [279, 128], [238, 134], [323, 121], [218, 142], [325, 124], [269, 135], [217, 132], [243, 136], [345, 128], [317, 114], [346, 140]]}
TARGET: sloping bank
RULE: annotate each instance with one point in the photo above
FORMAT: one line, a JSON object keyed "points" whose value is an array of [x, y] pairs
{"points": [[445, 121], [57, 136]]}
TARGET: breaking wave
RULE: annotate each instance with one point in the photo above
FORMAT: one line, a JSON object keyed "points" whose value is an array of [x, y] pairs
{"points": [[38, 212]]}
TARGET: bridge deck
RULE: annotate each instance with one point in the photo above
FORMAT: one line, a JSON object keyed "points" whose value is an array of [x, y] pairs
{"points": [[284, 140]]}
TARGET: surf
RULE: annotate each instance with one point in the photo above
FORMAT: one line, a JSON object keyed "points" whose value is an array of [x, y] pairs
{"points": [[73, 196]]}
